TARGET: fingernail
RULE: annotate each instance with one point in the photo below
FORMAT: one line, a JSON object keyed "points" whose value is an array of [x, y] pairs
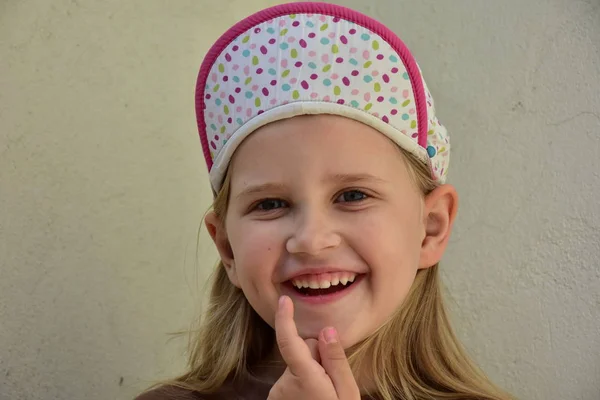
{"points": [[330, 335], [281, 301]]}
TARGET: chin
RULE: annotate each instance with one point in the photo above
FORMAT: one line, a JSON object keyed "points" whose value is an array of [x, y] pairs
{"points": [[305, 331], [312, 332]]}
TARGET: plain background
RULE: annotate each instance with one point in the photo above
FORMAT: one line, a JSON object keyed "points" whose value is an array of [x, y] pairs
{"points": [[103, 186]]}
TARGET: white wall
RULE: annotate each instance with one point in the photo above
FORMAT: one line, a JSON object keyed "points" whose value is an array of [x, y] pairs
{"points": [[102, 186]]}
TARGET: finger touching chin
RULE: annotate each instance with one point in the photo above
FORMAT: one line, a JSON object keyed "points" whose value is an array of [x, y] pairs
{"points": [[310, 330], [313, 345]]}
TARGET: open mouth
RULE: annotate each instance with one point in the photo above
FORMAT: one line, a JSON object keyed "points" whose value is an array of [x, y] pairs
{"points": [[325, 284]]}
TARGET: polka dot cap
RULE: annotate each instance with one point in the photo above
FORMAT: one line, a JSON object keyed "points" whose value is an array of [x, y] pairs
{"points": [[314, 58]]}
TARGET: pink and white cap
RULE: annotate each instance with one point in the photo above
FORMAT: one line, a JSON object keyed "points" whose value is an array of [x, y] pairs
{"points": [[314, 58]]}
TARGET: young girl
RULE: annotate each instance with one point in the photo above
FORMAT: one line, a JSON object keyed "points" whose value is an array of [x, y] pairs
{"points": [[330, 217]]}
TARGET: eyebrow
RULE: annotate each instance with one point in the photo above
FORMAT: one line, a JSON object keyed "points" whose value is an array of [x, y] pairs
{"points": [[265, 187], [343, 179], [353, 178]]}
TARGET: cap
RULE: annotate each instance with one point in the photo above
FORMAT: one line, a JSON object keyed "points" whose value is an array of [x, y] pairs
{"points": [[314, 58]]}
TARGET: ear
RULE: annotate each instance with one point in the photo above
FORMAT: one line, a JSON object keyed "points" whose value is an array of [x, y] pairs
{"points": [[216, 230], [439, 212]]}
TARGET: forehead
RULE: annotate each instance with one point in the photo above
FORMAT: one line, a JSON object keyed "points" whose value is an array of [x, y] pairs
{"points": [[313, 144]]}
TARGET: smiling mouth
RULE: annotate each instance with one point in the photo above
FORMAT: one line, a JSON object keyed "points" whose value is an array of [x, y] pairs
{"points": [[325, 286], [322, 292]]}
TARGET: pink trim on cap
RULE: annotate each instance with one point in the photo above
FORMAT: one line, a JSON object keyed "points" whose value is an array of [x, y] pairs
{"points": [[311, 8]]}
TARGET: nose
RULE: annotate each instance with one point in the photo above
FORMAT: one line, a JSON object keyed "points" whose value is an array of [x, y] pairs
{"points": [[313, 233]]}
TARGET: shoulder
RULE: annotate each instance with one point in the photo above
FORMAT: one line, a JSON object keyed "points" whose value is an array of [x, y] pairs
{"points": [[245, 389], [171, 393]]}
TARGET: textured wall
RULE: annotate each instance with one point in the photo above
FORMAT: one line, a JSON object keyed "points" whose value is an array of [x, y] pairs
{"points": [[102, 186]]}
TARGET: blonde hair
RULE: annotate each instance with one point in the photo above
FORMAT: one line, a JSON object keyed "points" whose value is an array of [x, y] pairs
{"points": [[414, 356]]}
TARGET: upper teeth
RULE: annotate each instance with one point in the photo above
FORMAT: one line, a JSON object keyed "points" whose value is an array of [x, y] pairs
{"points": [[324, 281]]}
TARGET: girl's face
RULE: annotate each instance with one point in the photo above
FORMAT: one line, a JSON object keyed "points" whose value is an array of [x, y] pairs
{"points": [[322, 208]]}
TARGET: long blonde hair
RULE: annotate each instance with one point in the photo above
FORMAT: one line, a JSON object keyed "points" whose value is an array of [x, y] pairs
{"points": [[414, 356]]}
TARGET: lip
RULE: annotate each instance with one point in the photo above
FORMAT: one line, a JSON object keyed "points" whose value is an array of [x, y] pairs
{"points": [[288, 289]]}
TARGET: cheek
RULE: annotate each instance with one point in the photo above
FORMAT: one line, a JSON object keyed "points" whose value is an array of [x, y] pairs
{"points": [[256, 243], [391, 246], [392, 235], [257, 250]]}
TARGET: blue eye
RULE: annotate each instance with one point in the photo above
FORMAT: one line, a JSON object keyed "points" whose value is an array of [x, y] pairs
{"points": [[270, 204], [352, 196]]}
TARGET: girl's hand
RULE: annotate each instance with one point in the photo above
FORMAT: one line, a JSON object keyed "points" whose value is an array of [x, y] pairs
{"points": [[305, 377]]}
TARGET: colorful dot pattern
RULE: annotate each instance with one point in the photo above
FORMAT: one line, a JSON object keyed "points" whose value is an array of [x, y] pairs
{"points": [[438, 140], [311, 57]]}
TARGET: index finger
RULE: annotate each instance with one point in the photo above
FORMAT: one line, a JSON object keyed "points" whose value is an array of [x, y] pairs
{"points": [[292, 347]]}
